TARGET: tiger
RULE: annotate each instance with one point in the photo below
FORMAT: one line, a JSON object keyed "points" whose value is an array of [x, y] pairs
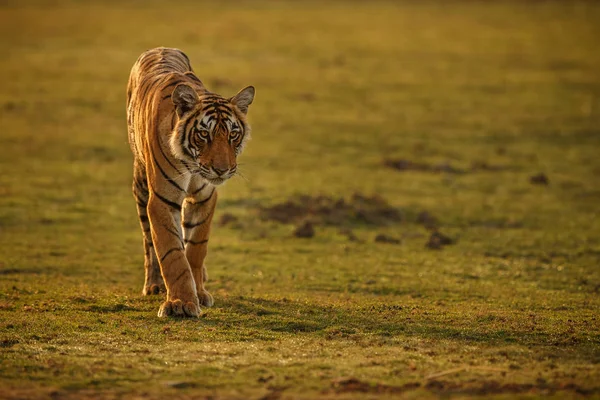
{"points": [[185, 142]]}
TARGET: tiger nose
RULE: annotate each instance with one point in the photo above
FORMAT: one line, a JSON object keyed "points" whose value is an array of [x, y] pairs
{"points": [[220, 171]]}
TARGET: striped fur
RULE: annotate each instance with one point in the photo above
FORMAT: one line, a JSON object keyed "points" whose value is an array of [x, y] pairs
{"points": [[185, 141]]}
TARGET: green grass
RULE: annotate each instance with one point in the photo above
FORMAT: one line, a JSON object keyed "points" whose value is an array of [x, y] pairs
{"points": [[510, 309]]}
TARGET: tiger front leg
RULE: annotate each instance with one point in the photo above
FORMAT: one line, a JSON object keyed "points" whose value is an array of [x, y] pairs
{"points": [[197, 218], [165, 221]]}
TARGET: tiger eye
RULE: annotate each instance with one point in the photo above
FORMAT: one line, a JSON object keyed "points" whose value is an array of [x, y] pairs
{"points": [[203, 133]]}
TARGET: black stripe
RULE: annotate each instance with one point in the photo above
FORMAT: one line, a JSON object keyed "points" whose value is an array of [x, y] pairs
{"points": [[185, 135], [243, 126], [179, 277], [141, 204], [199, 203], [190, 74], [224, 110], [144, 218], [171, 84], [187, 60], [167, 158], [207, 199], [188, 167], [196, 243], [168, 202], [143, 90], [187, 123], [187, 151], [169, 252], [198, 190], [173, 121], [164, 174], [174, 233], [212, 99], [140, 186], [171, 231], [189, 225]]}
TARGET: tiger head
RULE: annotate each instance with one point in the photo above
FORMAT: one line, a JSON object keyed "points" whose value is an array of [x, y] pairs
{"points": [[211, 131]]}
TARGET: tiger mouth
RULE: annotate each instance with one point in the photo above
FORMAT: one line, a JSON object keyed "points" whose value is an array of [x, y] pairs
{"points": [[215, 181], [212, 179]]}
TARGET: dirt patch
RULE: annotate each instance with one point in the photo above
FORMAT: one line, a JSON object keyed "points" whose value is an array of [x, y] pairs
{"points": [[381, 238], [344, 385], [349, 234], [497, 223], [476, 166], [427, 220], [485, 166], [275, 393], [19, 271], [474, 387], [479, 388], [437, 240], [228, 219], [491, 387], [181, 384], [408, 165], [325, 210], [8, 342], [539, 179], [306, 230]]}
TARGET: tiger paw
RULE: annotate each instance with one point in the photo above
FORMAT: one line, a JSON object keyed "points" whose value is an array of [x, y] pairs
{"points": [[178, 308], [154, 289], [205, 298]]}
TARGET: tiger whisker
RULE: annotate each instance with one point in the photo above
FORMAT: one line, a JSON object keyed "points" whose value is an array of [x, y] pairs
{"points": [[190, 166], [238, 173], [181, 174]]}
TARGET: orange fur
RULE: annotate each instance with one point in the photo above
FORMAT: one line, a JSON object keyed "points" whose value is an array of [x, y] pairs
{"points": [[185, 141]]}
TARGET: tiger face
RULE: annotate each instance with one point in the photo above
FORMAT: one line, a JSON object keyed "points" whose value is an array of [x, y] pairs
{"points": [[211, 131]]}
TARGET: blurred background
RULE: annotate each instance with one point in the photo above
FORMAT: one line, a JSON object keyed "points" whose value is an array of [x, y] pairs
{"points": [[376, 126], [504, 90]]}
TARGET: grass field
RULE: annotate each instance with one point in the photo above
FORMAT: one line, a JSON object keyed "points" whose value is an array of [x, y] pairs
{"points": [[379, 124]]}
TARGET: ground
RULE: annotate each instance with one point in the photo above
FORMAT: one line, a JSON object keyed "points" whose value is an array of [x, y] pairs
{"points": [[417, 217]]}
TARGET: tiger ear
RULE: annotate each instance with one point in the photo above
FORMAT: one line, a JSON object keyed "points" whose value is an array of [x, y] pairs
{"points": [[243, 99], [184, 97]]}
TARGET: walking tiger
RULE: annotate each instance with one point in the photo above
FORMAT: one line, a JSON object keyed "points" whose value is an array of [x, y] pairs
{"points": [[185, 142]]}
